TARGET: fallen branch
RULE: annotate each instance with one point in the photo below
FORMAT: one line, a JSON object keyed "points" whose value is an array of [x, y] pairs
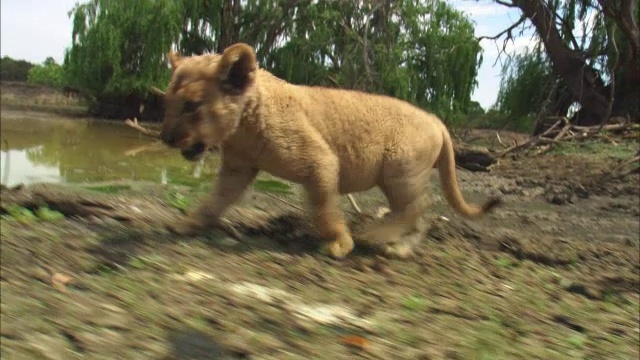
{"points": [[533, 141], [556, 135], [141, 129]]}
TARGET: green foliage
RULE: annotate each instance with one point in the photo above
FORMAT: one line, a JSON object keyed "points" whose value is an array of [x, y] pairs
{"points": [[415, 303], [14, 70], [526, 81], [118, 46], [597, 148], [26, 216], [49, 73], [109, 189], [47, 214], [504, 262], [21, 214], [272, 186], [178, 201], [421, 51], [494, 119]]}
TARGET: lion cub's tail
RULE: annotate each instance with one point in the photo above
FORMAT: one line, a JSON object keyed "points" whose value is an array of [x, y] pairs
{"points": [[447, 167]]}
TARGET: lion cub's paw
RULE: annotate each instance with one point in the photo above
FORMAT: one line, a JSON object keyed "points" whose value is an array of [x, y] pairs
{"points": [[401, 250], [186, 227], [338, 248], [401, 247]]}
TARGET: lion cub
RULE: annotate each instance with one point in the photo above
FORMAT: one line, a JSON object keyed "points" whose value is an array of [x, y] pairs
{"points": [[330, 141]]}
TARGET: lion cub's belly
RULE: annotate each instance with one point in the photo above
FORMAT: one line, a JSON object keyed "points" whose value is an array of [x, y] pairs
{"points": [[358, 177], [354, 174]]}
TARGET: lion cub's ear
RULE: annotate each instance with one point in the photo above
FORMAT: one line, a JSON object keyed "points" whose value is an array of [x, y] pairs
{"points": [[237, 68], [174, 59]]}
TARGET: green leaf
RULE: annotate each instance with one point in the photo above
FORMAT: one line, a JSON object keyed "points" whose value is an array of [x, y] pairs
{"points": [[272, 186]]}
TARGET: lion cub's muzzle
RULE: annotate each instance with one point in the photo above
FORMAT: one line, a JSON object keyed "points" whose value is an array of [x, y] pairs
{"points": [[194, 152], [190, 151]]}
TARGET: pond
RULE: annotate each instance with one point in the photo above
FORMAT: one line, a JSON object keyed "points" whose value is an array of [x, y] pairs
{"points": [[40, 147]]}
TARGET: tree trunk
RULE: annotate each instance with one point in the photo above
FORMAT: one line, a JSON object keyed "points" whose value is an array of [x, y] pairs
{"points": [[583, 82]]}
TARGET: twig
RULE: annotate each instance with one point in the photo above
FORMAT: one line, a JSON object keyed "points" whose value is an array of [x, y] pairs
{"points": [[156, 91], [506, 31], [353, 202], [499, 140], [141, 129], [284, 201]]}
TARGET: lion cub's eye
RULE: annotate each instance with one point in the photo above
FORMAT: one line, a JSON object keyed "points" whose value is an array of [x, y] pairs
{"points": [[190, 106]]}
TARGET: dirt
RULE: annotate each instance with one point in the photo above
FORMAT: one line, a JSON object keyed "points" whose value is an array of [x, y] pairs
{"points": [[539, 278], [553, 274]]}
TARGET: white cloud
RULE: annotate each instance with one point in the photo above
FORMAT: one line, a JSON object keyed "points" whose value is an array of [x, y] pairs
{"points": [[34, 30], [518, 45], [480, 9]]}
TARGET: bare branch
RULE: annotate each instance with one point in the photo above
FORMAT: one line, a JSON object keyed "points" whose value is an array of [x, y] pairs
{"points": [[506, 31], [508, 4], [155, 90], [141, 129]]}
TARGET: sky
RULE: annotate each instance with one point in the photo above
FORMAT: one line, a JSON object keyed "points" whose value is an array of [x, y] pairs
{"points": [[33, 30]]}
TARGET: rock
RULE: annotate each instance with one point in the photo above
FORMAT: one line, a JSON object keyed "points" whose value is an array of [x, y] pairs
{"points": [[559, 195]]}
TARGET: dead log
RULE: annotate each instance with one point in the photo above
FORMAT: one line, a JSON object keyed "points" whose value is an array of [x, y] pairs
{"points": [[473, 158]]}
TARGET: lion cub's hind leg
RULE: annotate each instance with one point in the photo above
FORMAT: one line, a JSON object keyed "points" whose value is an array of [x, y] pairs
{"points": [[401, 230]]}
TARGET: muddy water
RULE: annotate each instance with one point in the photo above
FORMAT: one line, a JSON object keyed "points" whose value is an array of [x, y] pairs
{"points": [[38, 147]]}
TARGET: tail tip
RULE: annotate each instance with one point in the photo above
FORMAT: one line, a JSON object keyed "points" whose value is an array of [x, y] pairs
{"points": [[491, 204]]}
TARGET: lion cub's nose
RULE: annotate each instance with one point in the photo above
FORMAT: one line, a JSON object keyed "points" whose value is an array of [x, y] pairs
{"points": [[168, 138]]}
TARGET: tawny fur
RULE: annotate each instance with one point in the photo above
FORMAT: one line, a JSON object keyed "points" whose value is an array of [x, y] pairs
{"points": [[331, 141]]}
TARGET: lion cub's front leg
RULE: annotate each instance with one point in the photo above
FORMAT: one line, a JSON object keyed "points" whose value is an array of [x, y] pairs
{"points": [[325, 211], [233, 180]]}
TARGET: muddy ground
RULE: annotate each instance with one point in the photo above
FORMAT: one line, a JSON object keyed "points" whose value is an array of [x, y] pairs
{"points": [[553, 274]]}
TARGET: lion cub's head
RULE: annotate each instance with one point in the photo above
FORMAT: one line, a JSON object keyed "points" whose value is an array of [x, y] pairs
{"points": [[206, 97]]}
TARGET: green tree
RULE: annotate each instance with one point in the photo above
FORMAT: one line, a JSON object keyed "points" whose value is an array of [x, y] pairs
{"points": [[419, 50], [14, 70], [526, 80], [49, 73], [118, 46], [589, 55]]}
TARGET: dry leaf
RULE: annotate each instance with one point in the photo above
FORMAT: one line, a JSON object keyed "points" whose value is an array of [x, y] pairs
{"points": [[59, 281], [355, 341]]}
